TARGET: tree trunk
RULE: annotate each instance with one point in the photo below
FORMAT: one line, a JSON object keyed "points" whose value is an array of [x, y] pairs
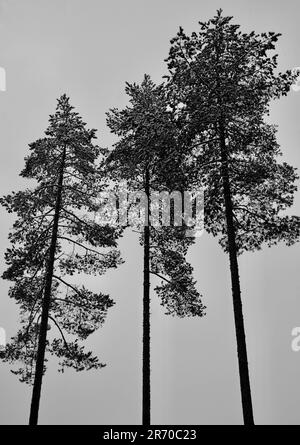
{"points": [[39, 368], [146, 310], [236, 290]]}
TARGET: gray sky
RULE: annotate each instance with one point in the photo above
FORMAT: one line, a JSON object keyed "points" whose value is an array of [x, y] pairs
{"points": [[88, 49]]}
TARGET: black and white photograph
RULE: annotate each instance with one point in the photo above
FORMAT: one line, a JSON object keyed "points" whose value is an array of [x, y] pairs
{"points": [[150, 215]]}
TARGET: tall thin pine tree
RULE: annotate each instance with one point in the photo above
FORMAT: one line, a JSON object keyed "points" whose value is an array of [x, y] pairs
{"points": [[55, 234], [146, 158], [224, 81]]}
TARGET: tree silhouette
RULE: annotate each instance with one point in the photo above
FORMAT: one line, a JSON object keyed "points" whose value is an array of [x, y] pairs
{"points": [[55, 235], [146, 157], [225, 80]]}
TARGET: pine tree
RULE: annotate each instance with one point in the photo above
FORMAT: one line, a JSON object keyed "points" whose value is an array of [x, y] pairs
{"points": [[55, 235], [146, 157], [225, 80]]}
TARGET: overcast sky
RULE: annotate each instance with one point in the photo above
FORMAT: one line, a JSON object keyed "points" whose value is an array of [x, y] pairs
{"points": [[88, 49]]}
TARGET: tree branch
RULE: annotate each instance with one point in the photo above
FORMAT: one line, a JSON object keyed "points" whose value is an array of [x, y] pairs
{"points": [[61, 332], [81, 245]]}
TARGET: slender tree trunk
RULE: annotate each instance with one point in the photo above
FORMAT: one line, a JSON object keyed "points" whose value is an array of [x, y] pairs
{"points": [[236, 290], [146, 311], [39, 368]]}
